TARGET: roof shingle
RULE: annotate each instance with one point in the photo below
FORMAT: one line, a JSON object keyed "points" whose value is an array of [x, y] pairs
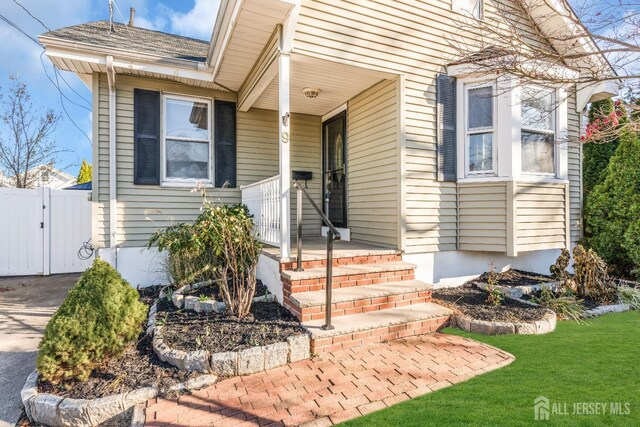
{"points": [[139, 40]]}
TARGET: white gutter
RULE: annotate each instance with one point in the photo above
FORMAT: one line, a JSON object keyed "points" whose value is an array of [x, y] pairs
{"points": [[113, 200], [220, 46]]}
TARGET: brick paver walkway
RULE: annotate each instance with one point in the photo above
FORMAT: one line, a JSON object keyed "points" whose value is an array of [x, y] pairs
{"points": [[335, 387]]}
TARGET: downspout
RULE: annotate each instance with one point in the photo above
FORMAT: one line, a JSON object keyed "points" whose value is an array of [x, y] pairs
{"points": [[113, 214]]}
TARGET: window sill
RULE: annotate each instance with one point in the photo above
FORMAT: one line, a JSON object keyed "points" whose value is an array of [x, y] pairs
{"points": [[185, 184], [523, 178]]}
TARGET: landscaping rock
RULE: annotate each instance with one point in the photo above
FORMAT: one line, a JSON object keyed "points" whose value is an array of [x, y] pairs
{"points": [[503, 328], [29, 390], [74, 412], [196, 383], [177, 299], [523, 328], [275, 355], [462, 322], [299, 347], [250, 360], [196, 361], [225, 364], [105, 408], [481, 327], [605, 309], [44, 409], [192, 303]]}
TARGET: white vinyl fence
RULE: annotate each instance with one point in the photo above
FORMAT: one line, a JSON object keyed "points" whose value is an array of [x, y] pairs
{"points": [[42, 231]]}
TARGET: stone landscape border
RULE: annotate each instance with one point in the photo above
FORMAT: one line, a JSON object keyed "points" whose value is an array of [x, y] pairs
{"points": [[516, 292], [606, 309], [193, 303], [52, 410], [231, 363], [55, 411], [469, 324]]}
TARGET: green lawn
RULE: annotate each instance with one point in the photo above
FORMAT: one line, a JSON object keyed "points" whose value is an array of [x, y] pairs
{"points": [[597, 362]]}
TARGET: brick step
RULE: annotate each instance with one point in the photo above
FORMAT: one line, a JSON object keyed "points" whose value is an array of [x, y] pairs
{"points": [[371, 258], [376, 326], [314, 279], [360, 299]]}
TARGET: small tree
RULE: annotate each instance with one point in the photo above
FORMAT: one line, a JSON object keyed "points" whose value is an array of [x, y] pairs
{"points": [[85, 172], [613, 209], [26, 137], [98, 318]]}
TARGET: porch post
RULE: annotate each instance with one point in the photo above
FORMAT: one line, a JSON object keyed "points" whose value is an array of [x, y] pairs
{"points": [[284, 127]]}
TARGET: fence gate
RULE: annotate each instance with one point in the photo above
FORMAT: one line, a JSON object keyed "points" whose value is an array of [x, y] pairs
{"points": [[42, 230]]}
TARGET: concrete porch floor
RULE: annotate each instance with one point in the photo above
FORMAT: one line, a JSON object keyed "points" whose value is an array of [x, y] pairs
{"points": [[315, 248]]}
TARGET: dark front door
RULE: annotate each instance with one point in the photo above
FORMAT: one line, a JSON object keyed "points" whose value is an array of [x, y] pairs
{"points": [[334, 169]]}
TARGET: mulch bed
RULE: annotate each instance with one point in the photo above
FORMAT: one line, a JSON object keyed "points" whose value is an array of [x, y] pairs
{"points": [[212, 291], [137, 367], [187, 330], [513, 278], [472, 301], [587, 303]]}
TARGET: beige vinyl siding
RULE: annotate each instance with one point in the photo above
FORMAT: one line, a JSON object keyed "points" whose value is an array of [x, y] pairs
{"points": [[483, 217], [143, 209], [575, 170], [410, 37], [540, 216], [372, 165]]}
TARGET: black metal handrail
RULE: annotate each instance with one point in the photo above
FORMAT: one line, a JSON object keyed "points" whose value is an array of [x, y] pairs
{"points": [[332, 234]]}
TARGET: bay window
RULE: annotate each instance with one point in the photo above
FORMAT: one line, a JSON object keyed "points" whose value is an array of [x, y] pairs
{"points": [[186, 139], [538, 131], [509, 129], [480, 128]]}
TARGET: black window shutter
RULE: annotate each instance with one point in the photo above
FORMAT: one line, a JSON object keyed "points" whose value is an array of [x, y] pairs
{"points": [[146, 130], [225, 143], [446, 127]]}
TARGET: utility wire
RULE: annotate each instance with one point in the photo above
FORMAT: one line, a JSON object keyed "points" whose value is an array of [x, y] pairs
{"points": [[56, 85], [121, 17], [24, 33], [31, 15], [56, 70], [64, 108]]}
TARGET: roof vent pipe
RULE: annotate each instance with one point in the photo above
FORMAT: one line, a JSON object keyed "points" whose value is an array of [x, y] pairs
{"points": [[132, 12]]}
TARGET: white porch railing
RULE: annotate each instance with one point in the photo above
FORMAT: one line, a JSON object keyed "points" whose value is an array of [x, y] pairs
{"points": [[262, 199]]}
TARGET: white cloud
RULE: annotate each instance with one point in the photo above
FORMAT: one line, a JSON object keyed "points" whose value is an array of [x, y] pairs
{"points": [[198, 22]]}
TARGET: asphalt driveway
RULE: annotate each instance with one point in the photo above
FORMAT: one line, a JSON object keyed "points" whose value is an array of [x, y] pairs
{"points": [[26, 304]]}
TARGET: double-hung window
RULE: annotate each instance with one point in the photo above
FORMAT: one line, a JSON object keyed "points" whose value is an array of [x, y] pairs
{"points": [[480, 128], [186, 139], [538, 131]]}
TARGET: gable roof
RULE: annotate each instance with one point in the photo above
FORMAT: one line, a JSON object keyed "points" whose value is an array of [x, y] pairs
{"points": [[133, 39]]}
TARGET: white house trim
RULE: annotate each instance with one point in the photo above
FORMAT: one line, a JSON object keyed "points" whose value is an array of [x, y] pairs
{"points": [[113, 200]]}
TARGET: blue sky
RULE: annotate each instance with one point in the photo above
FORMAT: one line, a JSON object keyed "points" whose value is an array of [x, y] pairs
{"points": [[21, 56]]}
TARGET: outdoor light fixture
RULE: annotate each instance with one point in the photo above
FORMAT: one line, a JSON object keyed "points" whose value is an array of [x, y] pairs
{"points": [[311, 92]]}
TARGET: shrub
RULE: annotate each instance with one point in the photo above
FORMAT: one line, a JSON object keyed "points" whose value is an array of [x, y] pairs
{"points": [[630, 296], [99, 316], [220, 244], [187, 261], [559, 268], [566, 306], [591, 279], [229, 234], [495, 296], [613, 210], [596, 156]]}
